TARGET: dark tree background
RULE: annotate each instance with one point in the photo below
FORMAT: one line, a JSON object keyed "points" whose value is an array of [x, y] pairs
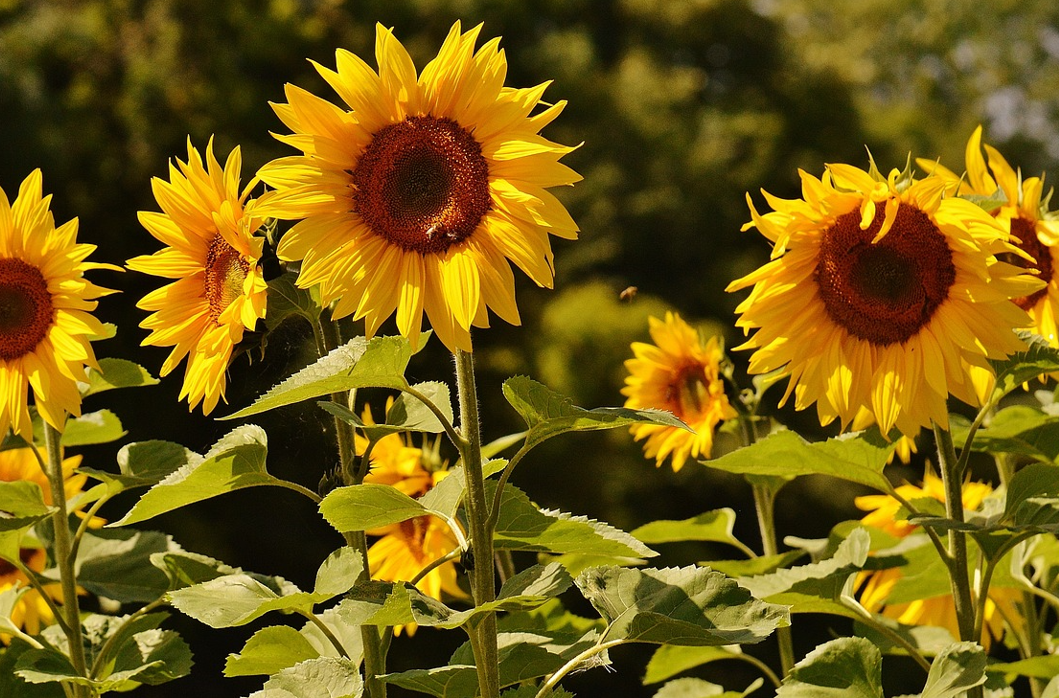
{"points": [[682, 106]]}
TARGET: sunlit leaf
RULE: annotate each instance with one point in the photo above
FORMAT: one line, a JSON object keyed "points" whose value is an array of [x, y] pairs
{"points": [[269, 651], [370, 505], [714, 526], [858, 457], [522, 526], [237, 461], [379, 362], [670, 660], [955, 670], [679, 606], [690, 687], [143, 464], [1040, 667], [548, 414], [1019, 429], [21, 505], [763, 564], [1038, 358], [91, 428], [325, 677], [849, 667], [115, 373]]}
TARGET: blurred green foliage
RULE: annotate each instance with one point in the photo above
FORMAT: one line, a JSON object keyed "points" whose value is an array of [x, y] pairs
{"points": [[682, 107]]}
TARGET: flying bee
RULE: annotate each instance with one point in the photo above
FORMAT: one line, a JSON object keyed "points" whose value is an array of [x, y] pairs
{"points": [[628, 294]]}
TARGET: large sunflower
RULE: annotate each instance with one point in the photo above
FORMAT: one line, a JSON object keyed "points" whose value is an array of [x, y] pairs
{"points": [[32, 611], [881, 294], [1023, 213], [416, 198], [213, 253], [45, 301], [940, 611], [681, 374]]}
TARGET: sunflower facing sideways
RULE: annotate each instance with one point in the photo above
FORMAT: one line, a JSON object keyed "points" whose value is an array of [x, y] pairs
{"points": [[678, 373], [214, 256], [45, 301], [415, 199], [881, 294], [1023, 212]]}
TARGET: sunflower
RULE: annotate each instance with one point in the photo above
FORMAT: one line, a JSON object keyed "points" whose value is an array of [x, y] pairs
{"points": [[881, 294], [938, 611], [45, 325], [1024, 213], [416, 197], [681, 374], [404, 549], [214, 256], [32, 611]]}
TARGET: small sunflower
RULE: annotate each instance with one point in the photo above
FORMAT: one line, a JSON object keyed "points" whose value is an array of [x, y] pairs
{"points": [[938, 611], [881, 294], [416, 198], [45, 301], [404, 549], [1024, 213], [681, 374], [214, 256], [32, 611]]}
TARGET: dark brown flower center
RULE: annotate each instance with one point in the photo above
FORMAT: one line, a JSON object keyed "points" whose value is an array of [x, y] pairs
{"points": [[423, 184], [886, 292], [1028, 242], [415, 532], [24, 554], [26, 311], [225, 272], [688, 394]]}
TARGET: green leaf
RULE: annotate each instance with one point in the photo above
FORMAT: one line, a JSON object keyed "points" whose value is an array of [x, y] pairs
{"points": [[325, 677], [370, 505], [9, 598], [955, 670], [21, 505], [1038, 358], [548, 414], [236, 462], [1019, 429], [670, 660], [12, 685], [849, 667], [286, 299], [152, 657], [1040, 667], [348, 635], [237, 599], [763, 564], [115, 373], [339, 572], [91, 428], [714, 526], [143, 464], [685, 606], [116, 564], [1031, 481], [376, 363], [858, 457], [452, 681], [407, 413], [269, 651], [185, 569], [698, 688], [522, 526], [818, 580], [930, 640]]}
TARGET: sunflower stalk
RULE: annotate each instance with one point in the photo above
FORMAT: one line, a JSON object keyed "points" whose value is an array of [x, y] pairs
{"points": [[63, 558], [765, 505], [951, 475], [327, 339], [483, 583]]}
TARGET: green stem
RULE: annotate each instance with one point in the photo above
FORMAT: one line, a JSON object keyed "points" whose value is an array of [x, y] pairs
{"points": [[483, 582], [952, 477], [762, 667], [1033, 640], [558, 676], [868, 619], [322, 627], [987, 578], [328, 339], [63, 560], [104, 652], [764, 504]]}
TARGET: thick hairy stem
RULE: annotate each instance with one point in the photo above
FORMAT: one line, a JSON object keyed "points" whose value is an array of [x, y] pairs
{"points": [[951, 474], [764, 504], [483, 582], [327, 339], [63, 559]]}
